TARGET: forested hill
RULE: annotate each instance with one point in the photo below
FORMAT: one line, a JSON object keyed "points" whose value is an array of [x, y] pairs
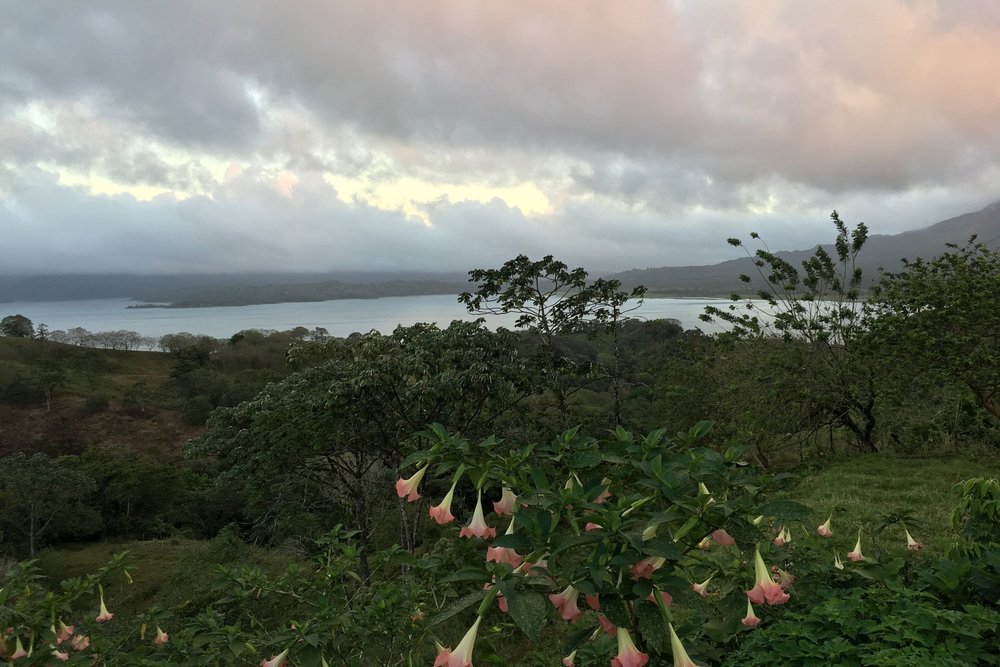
{"points": [[882, 251]]}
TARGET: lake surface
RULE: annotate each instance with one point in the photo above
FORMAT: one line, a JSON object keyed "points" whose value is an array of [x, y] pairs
{"points": [[340, 317]]}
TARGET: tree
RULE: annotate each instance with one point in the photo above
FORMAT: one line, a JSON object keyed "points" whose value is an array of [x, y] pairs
{"points": [[319, 443], [42, 499], [818, 309], [16, 326], [940, 319]]}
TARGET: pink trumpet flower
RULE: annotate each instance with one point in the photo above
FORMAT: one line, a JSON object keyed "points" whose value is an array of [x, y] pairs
{"points": [[65, 632], [783, 538], [750, 620], [856, 554], [161, 637], [569, 660], [628, 654], [80, 642], [505, 506], [61, 656], [19, 651], [477, 526], [824, 530], [911, 543], [462, 655], [275, 661], [665, 596], [644, 568], [606, 493], [503, 554], [593, 601], [592, 526], [607, 626], [722, 538], [104, 614], [565, 603], [501, 600], [782, 578], [407, 488], [702, 588], [681, 658], [442, 513], [765, 590]]}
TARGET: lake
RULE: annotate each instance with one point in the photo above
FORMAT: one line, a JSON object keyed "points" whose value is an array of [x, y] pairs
{"points": [[340, 317]]}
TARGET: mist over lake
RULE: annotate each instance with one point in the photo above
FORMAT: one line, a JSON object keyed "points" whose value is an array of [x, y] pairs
{"points": [[340, 317]]}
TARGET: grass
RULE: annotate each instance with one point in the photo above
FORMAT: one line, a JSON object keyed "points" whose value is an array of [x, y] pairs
{"points": [[861, 490]]}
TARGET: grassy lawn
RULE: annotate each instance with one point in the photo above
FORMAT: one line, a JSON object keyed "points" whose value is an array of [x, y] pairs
{"points": [[864, 488]]}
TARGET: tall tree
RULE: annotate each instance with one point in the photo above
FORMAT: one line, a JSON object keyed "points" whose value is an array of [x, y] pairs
{"points": [[17, 326]]}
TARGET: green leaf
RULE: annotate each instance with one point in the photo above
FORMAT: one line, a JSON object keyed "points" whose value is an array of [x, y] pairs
{"points": [[456, 607], [652, 626], [527, 608], [577, 540], [613, 607], [663, 547], [516, 542]]}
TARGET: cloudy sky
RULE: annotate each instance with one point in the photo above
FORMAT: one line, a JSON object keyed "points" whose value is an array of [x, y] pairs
{"points": [[236, 135]]}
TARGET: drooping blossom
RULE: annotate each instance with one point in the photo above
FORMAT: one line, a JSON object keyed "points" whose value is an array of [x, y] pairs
{"points": [[593, 601], [442, 513], [722, 538], [565, 603], [758, 520], [504, 554], [79, 642], [505, 506], [765, 590], [750, 620], [407, 488], [628, 654], [609, 628], [644, 568], [104, 614], [61, 656], [161, 637], [783, 538], [702, 588], [462, 655], [837, 563], [569, 660], [477, 526], [605, 493], [824, 530], [911, 543], [665, 596], [856, 554], [706, 542], [64, 633], [681, 658], [275, 661], [592, 526], [535, 568], [19, 651]]}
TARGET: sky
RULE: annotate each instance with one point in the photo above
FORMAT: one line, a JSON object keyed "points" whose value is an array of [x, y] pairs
{"points": [[443, 135]]}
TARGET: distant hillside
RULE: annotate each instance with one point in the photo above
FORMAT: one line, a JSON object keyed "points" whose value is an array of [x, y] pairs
{"points": [[882, 251], [169, 288]]}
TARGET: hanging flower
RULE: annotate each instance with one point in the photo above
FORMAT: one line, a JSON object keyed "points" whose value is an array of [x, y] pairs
{"points": [[503, 554], [462, 655], [722, 538], [275, 661], [911, 543], [442, 513], [477, 526], [61, 656], [783, 579], [765, 589], [593, 602], [644, 568], [505, 506], [856, 554], [649, 532], [607, 626], [628, 654], [783, 538], [161, 637], [824, 530], [407, 488], [79, 642], [758, 520], [569, 660], [665, 596], [681, 658], [702, 588], [104, 614], [65, 632], [501, 600], [565, 603], [592, 526], [750, 620], [837, 563], [19, 651]]}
